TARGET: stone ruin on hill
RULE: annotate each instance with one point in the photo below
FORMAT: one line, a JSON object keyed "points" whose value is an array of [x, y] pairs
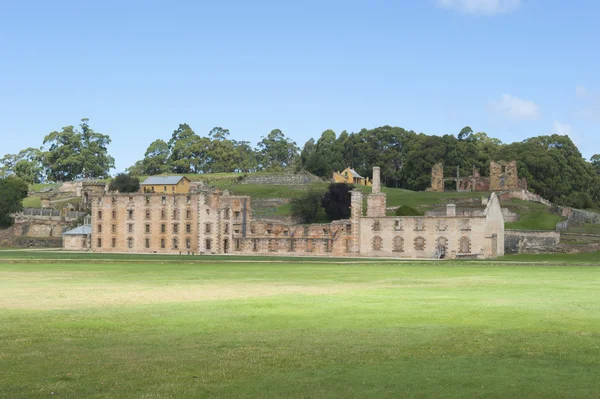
{"points": [[503, 177]]}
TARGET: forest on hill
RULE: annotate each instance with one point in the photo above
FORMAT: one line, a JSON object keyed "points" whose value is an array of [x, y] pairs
{"points": [[552, 164]]}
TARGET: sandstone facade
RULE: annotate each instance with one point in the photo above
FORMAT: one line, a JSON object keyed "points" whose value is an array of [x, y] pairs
{"points": [[437, 178], [214, 222]]}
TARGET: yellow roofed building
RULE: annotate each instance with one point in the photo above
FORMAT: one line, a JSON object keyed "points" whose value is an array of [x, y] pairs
{"points": [[350, 176]]}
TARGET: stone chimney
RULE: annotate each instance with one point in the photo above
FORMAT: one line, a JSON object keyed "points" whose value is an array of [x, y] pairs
{"points": [[376, 180], [451, 210]]}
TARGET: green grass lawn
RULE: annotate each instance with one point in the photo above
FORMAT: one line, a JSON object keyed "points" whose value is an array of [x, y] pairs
{"points": [[32, 202], [80, 328]]}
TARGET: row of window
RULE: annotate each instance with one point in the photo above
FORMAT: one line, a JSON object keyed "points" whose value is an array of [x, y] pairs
{"points": [[275, 245], [419, 243], [163, 214], [421, 225], [147, 242], [163, 228]]}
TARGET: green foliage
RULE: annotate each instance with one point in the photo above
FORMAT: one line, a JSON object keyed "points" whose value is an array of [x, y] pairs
{"points": [[336, 201], [307, 206], [276, 152], [12, 192], [405, 210], [124, 183], [580, 201], [27, 165], [75, 154]]}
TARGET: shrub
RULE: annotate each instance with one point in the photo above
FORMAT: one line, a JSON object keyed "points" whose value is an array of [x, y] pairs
{"points": [[307, 206], [580, 200], [124, 183], [336, 201], [406, 210]]}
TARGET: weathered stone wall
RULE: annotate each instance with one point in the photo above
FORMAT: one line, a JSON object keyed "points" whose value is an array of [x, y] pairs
{"points": [[530, 242], [145, 223], [503, 176], [215, 222], [36, 242], [419, 237], [437, 178], [76, 242], [281, 179], [26, 227]]}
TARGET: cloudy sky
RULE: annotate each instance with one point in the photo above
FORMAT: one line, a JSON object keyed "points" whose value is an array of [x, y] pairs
{"points": [[511, 68]]}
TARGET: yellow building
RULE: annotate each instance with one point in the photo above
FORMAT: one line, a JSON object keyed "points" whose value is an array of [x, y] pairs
{"points": [[350, 176], [166, 184]]}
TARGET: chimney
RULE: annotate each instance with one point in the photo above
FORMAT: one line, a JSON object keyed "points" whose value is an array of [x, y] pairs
{"points": [[450, 210], [376, 180]]}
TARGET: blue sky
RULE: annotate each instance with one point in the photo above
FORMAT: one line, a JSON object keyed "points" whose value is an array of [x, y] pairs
{"points": [[511, 68]]}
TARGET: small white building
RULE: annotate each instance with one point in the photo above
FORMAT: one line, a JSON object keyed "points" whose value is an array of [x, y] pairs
{"points": [[78, 239]]}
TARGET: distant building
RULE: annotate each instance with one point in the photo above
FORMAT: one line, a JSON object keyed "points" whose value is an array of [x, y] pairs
{"points": [[350, 176], [166, 184], [215, 222], [79, 238]]}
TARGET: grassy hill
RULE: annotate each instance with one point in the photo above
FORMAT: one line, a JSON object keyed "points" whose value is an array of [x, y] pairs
{"points": [[534, 216]]}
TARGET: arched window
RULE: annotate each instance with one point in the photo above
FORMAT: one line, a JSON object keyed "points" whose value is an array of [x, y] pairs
{"points": [[419, 243], [377, 242], [398, 244], [464, 245]]}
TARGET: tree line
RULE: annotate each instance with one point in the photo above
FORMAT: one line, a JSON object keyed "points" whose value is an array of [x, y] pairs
{"points": [[552, 164]]}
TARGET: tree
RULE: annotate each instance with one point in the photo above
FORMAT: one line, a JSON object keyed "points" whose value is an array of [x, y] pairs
{"points": [[27, 165], [156, 159], [124, 183], [75, 154], [12, 192], [465, 133], [277, 152], [336, 201], [183, 146], [595, 161], [318, 165], [307, 206]]}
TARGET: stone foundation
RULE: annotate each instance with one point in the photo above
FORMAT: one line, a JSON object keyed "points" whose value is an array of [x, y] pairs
{"points": [[530, 242]]}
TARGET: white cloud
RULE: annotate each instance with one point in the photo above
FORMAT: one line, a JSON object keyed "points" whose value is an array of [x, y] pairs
{"points": [[562, 128], [516, 108], [581, 92], [481, 7], [565, 129]]}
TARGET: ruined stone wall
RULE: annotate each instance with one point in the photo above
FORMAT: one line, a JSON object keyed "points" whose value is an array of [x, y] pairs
{"points": [[503, 176], [31, 227], [36, 242], [281, 179], [329, 239], [418, 237], [76, 242], [437, 178], [145, 223], [530, 242]]}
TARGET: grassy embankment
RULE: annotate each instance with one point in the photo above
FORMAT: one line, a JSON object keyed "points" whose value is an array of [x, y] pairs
{"points": [[533, 216], [116, 329]]}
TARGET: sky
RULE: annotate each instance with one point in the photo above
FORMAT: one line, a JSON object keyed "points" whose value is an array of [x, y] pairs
{"points": [[137, 69]]}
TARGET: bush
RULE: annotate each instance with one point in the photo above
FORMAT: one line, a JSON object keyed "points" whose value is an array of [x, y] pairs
{"points": [[12, 192], [307, 206], [336, 201], [580, 201], [124, 183], [406, 210]]}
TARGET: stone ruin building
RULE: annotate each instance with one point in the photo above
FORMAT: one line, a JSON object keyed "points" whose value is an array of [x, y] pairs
{"points": [[503, 177], [207, 221]]}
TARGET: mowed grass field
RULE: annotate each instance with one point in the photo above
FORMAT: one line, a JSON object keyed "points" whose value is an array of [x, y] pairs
{"points": [[78, 326]]}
